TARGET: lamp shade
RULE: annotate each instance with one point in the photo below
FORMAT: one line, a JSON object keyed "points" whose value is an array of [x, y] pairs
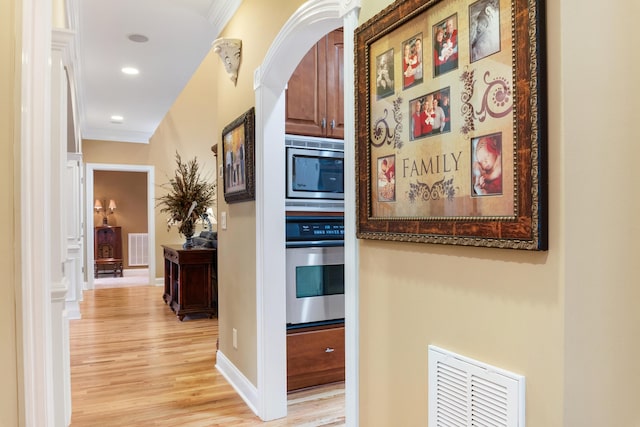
{"points": [[112, 205], [98, 205]]}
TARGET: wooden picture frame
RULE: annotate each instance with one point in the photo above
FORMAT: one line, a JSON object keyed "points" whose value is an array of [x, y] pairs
{"points": [[455, 153], [238, 139]]}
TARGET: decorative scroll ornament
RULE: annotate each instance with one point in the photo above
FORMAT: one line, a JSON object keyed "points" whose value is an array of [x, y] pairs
{"points": [[497, 100], [422, 192], [381, 131], [230, 51]]}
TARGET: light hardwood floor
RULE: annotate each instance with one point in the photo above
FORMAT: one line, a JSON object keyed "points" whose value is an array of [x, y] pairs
{"points": [[133, 363]]}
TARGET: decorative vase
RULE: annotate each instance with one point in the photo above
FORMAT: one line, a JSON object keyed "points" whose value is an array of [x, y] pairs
{"points": [[187, 228]]}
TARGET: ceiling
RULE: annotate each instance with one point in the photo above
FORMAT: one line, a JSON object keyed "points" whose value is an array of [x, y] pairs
{"points": [[179, 32]]}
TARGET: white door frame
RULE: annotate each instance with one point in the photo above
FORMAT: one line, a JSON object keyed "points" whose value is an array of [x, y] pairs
{"points": [[89, 225]]}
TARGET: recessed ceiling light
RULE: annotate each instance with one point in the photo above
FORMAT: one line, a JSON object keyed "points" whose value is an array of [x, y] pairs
{"points": [[131, 71], [117, 119], [138, 38]]}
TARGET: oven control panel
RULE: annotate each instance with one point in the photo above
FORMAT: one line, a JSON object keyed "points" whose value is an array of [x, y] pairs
{"points": [[303, 228]]}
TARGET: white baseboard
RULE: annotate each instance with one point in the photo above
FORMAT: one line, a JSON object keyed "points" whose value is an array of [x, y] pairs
{"points": [[247, 391], [134, 272], [159, 281]]}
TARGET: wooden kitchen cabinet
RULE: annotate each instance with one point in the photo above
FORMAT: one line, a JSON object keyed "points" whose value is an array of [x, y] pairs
{"points": [[315, 356], [188, 275], [315, 92]]}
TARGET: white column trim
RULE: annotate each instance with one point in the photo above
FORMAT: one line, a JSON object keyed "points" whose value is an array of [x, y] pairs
{"points": [[75, 234], [351, 253], [270, 260], [60, 354], [57, 224], [35, 132]]}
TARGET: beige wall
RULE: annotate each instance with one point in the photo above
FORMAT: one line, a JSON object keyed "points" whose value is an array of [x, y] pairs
{"points": [[599, 208], [9, 253], [59, 14], [566, 318], [236, 257], [129, 191]]}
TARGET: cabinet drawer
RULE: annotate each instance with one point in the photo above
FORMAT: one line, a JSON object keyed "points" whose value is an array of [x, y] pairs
{"points": [[315, 357]]}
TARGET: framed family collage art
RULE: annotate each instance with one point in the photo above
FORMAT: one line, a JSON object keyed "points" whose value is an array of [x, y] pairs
{"points": [[450, 132]]}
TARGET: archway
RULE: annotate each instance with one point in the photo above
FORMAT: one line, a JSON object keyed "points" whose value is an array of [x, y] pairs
{"points": [[313, 20]]}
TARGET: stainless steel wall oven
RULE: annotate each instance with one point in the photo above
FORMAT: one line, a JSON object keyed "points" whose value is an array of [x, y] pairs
{"points": [[314, 269]]}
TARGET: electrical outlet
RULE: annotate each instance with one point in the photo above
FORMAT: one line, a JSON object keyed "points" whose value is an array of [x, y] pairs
{"points": [[235, 338]]}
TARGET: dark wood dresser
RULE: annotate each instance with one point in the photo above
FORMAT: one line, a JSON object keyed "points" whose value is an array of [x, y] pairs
{"points": [[107, 250], [188, 276]]}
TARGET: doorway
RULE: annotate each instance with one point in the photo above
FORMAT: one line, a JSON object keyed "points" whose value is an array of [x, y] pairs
{"points": [[89, 225]]}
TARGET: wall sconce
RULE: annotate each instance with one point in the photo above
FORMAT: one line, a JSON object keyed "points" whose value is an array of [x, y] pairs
{"points": [[99, 208], [230, 51]]}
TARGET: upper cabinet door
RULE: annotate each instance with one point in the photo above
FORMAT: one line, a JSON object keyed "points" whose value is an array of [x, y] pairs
{"points": [[314, 96], [335, 84]]}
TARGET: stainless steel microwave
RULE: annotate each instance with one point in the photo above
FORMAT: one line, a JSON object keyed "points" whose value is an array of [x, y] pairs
{"points": [[315, 173]]}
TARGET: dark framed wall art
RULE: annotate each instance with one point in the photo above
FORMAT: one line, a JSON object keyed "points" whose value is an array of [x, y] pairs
{"points": [[238, 158], [452, 150]]}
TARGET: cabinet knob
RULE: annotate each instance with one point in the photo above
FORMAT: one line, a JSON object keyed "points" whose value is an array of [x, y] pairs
{"points": [[323, 123], [333, 124], [329, 350]]}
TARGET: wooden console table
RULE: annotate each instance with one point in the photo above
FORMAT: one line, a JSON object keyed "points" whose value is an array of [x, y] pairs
{"points": [[188, 275]]}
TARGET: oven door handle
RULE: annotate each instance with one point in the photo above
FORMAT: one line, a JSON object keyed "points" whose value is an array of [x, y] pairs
{"points": [[315, 244]]}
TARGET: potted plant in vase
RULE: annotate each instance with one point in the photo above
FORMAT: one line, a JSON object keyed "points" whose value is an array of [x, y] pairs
{"points": [[187, 199]]}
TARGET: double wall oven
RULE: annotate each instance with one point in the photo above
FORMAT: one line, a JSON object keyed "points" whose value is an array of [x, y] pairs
{"points": [[314, 269]]}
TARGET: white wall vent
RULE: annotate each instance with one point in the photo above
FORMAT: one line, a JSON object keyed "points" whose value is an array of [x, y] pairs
{"points": [[138, 249], [464, 393]]}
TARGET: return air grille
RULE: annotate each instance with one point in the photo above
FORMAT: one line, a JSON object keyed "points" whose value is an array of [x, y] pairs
{"points": [[467, 393], [138, 249]]}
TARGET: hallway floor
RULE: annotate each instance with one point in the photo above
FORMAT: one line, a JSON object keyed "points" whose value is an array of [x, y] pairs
{"points": [[133, 363]]}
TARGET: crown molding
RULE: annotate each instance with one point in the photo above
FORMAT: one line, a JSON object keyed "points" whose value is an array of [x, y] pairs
{"points": [[221, 12], [116, 135]]}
